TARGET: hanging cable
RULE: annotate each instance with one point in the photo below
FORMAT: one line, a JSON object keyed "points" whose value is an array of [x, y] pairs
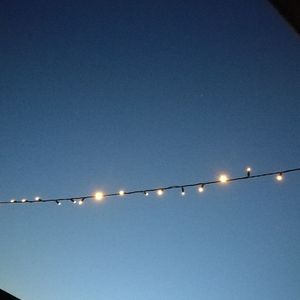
{"points": [[99, 196]]}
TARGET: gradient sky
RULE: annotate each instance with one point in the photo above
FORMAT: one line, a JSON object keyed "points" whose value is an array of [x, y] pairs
{"points": [[139, 94]]}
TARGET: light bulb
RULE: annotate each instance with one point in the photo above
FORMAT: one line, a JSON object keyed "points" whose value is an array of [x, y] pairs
{"points": [[37, 199], [279, 177], [58, 202], [121, 193], [248, 170], [12, 200], [146, 193], [223, 178], [99, 196], [201, 188], [73, 200], [182, 191], [23, 200], [160, 192], [80, 202]]}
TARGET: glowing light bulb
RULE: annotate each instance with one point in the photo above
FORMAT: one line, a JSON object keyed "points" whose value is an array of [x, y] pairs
{"points": [[23, 200], [201, 188], [121, 193], [37, 199], [80, 202], [160, 192], [182, 191], [73, 200], [12, 200], [58, 202], [248, 170], [99, 196], [146, 193], [223, 178], [279, 177]]}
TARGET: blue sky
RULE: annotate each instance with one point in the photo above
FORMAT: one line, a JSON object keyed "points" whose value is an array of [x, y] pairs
{"points": [[109, 95]]}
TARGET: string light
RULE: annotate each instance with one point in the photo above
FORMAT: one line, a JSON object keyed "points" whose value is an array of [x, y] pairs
{"points": [[201, 188], [182, 191], [160, 191], [99, 196], [223, 178], [248, 170]]}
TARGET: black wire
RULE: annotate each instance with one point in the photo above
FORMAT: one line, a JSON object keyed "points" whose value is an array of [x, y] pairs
{"points": [[144, 191]]}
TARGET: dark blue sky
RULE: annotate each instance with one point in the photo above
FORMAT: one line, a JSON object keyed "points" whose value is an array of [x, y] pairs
{"points": [[136, 94]]}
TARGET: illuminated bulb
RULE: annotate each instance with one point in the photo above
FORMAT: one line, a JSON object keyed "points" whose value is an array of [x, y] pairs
{"points": [[73, 200], [201, 188], [248, 170], [121, 193], [279, 177], [23, 200], [182, 191], [223, 178], [160, 192], [99, 196], [58, 202], [146, 193], [37, 199], [12, 200], [80, 202]]}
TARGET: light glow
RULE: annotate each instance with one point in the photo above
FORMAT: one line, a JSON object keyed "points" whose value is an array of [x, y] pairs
{"points": [[121, 193], [201, 188], [248, 170], [99, 196], [182, 191], [223, 178], [279, 177], [160, 192]]}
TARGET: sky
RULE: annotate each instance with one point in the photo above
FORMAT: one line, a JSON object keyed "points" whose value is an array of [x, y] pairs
{"points": [[110, 95]]}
